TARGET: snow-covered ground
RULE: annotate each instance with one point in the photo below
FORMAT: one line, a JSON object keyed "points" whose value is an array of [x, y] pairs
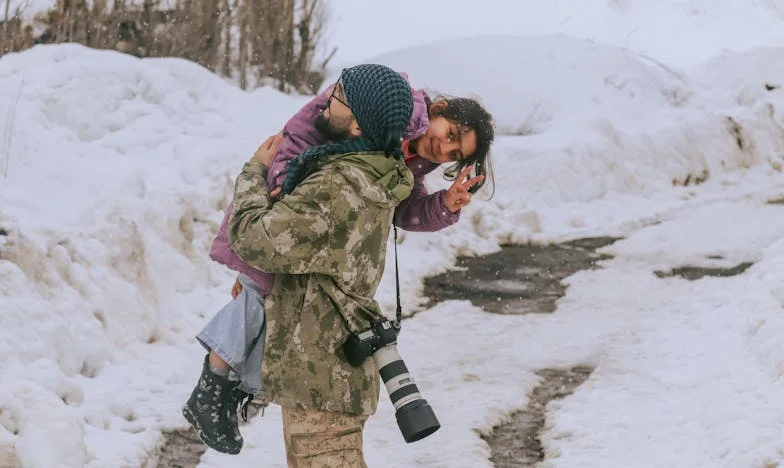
{"points": [[114, 172]]}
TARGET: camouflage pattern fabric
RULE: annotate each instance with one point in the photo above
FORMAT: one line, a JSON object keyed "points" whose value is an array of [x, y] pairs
{"points": [[326, 242], [323, 439]]}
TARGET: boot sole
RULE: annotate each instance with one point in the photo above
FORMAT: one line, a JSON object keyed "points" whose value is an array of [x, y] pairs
{"points": [[193, 421]]}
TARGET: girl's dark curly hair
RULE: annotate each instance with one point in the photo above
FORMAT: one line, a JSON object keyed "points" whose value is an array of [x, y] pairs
{"points": [[470, 115]]}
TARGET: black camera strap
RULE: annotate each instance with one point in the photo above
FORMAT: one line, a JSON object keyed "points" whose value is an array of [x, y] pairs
{"points": [[399, 309]]}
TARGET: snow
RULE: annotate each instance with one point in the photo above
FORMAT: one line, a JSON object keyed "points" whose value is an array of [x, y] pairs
{"points": [[118, 170], [109, 205], [690, 368]]}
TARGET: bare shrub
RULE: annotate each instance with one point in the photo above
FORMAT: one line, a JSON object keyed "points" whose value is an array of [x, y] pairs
{"points": [[250, 41]]}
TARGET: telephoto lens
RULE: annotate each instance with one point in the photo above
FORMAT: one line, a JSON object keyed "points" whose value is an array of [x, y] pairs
{"points": [[415, 418]]}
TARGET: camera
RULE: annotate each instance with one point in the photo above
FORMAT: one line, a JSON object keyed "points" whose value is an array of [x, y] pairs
{"points": [[361, 345], [415, 417]]}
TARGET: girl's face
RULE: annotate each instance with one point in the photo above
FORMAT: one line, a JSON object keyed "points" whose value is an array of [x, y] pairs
{"points": [[445, 141]]}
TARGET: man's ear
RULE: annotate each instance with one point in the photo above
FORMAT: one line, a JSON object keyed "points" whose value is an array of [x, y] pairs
{"points": [[354, 129]]}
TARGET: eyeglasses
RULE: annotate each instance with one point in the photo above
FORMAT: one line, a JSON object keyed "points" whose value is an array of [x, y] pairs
{"points": [[333, 95]]}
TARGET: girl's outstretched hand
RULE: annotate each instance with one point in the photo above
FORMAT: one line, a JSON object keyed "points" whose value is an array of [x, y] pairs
{"points": [[458, 196]]}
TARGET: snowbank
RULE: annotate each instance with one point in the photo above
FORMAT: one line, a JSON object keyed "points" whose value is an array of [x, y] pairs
{"points": [[118, 170], [535, 83]]}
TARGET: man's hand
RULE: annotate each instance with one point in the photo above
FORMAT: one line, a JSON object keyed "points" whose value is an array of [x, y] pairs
{"points": [[267, 150], [458, 196], [236, 289]]}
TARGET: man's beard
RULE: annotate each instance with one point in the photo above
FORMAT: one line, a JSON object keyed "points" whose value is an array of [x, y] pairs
{"points": [[325, 127]]}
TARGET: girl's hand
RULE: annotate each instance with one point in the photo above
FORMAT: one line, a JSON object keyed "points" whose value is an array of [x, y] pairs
{"points": [[458, 195]]}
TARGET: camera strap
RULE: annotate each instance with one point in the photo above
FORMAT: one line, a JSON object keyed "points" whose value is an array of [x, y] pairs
{"points": [[399, 309]]}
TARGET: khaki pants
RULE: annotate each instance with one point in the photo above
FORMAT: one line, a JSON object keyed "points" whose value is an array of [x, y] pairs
{"points": [[323, 439]]}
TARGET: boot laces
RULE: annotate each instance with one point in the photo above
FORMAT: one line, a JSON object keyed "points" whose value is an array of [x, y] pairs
{"points": [[243, 400]]}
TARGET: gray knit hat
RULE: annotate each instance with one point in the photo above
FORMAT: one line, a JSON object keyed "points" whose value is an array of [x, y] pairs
{"points": [[381, 101]]}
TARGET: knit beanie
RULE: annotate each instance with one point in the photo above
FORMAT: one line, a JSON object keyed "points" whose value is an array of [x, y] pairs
{"points": [[381, 101]]}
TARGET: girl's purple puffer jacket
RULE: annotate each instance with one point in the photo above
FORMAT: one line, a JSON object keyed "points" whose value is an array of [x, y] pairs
{"points": [[419, 212]]}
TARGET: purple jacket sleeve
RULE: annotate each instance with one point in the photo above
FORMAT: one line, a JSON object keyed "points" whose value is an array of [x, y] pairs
{"points": [[219, 251], [299, 134], [421, 212]]}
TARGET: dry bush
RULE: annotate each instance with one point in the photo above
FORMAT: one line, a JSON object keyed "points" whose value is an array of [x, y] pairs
{"points": [[14, 34], [252, 41]]}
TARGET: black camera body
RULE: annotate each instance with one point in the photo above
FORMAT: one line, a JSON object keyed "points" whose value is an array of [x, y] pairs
{"points": [[361, 345]]}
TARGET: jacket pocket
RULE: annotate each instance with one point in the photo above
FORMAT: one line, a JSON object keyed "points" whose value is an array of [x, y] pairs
{"points": [[341, 448]]}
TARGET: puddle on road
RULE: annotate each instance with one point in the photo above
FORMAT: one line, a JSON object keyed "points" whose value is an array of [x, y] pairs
{"points": [[516, 443], [693, 273], [522, 279], [519, 279]]}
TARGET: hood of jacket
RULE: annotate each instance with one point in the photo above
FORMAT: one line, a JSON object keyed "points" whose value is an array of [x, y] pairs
{"points": [[382, 179]]}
